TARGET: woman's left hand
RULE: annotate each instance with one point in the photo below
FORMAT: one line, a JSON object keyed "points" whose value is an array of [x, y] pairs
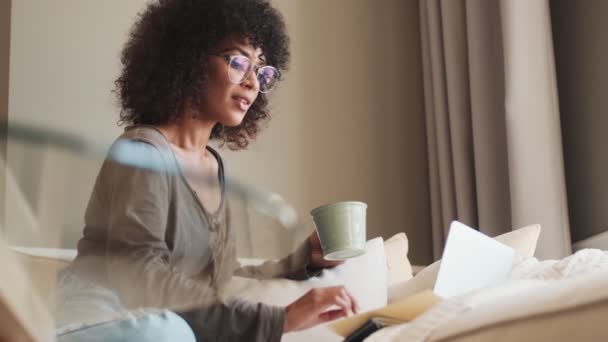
{"points": [[316, 254]]}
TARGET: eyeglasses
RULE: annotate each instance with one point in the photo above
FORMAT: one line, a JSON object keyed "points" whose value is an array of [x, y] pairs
{"points": [[240, 67]]}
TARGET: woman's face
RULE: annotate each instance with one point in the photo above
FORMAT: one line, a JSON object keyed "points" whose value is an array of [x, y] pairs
{"points": [[224, 101]]}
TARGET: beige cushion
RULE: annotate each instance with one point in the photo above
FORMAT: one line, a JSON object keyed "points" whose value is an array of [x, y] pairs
{"points": [[523, 240], [398, 265], [24, 316]]}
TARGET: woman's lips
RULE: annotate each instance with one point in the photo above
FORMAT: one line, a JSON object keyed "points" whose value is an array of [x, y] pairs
{"points": [[242, 103]]}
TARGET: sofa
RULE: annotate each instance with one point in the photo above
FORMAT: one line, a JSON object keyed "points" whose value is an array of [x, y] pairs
{"points": [[550, 300]]}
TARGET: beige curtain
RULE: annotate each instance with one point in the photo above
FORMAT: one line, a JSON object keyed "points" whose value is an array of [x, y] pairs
{"points": [[493, 129]]}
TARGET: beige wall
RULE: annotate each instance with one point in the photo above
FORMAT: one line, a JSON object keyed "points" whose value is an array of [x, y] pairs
{"points": [[581, 49], [347, 123], [64, 58]]}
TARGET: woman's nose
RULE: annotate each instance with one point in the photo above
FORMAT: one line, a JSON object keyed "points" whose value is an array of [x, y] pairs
{"points": [[251, 81]]}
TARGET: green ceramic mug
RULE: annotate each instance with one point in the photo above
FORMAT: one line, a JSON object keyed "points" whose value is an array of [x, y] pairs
{"points": [[341, 229]]}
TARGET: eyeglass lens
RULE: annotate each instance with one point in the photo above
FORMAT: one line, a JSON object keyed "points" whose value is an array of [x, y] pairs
{"points": [[240, 66]]}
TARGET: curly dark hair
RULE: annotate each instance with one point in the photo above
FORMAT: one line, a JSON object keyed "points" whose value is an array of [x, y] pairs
{"points": [[165, 64]]}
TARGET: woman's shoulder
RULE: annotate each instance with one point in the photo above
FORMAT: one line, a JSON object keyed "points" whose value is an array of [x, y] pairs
{"points": [[147, 134], [143, 146]]}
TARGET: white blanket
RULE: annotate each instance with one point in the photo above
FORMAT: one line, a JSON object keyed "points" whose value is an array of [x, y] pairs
{"points": [[529, 274], [581, 263]]}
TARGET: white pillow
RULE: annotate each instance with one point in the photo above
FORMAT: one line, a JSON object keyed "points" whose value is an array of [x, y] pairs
{"points": [[523, 240], [365, 277]]}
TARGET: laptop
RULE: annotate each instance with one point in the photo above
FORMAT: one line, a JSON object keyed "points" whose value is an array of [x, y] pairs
{"points": [[470, 261]]}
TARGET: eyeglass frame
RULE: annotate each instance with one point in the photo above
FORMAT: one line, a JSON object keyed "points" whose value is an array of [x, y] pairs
{"points": [[228, 58]]}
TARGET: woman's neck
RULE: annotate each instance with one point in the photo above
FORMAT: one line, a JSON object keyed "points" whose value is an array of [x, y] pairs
{"points": [[187, 133]]}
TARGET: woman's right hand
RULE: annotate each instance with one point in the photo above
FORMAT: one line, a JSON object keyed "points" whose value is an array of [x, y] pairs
{"points": [[314, 308]]}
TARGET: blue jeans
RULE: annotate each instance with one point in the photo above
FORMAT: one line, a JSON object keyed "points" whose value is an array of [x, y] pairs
{"points": [[163, 326]]}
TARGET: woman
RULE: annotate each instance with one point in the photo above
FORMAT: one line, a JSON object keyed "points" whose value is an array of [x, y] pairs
{"points": [[161, 237]]}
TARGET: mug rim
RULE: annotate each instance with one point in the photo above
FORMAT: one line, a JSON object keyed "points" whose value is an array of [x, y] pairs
{"points": [[337, 204]]}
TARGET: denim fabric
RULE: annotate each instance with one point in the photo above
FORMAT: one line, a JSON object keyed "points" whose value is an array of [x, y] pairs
{"points": [[163, 326]]}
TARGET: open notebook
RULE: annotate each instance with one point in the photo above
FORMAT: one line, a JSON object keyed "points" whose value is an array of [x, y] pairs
{"points": [[470, 261]]}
